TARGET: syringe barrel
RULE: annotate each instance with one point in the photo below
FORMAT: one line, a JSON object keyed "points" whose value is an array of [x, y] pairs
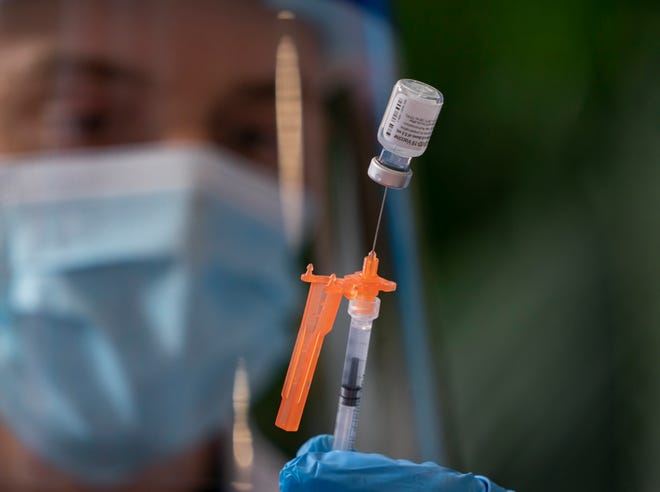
{"points": [[362, 313]]}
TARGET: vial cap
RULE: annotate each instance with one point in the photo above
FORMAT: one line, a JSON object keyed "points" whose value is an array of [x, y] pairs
{"points": [[386, 176]]}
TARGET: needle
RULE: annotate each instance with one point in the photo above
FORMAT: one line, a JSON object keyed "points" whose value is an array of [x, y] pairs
{"points": [[380, 216]]}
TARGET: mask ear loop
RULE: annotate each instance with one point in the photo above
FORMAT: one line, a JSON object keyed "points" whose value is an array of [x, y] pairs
{"points": [[241, 439]]}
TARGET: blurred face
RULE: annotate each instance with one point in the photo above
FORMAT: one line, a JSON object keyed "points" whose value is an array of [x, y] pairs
{"points": [[91, 73]]}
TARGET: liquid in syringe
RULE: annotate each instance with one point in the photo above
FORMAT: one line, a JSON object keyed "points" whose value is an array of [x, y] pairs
{"points": [[362, 312]]}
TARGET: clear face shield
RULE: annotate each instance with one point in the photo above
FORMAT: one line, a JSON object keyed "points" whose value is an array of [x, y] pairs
{"points": [[167, 169]]}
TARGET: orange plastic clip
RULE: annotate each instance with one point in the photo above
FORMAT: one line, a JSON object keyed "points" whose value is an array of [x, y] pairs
{"points": [[325, 292]]}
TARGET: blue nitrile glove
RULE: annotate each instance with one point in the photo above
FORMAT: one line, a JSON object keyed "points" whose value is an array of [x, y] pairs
{"points": [[317, 468]]}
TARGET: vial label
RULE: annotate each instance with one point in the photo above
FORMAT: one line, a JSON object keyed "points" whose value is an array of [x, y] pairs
{"points": [[410, 122]]}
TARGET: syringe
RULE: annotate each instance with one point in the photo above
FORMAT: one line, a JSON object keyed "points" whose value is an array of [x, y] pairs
{"points": [[362, 312], [404, 133]]}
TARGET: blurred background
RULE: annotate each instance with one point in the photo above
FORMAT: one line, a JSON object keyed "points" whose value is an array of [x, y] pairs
{"points": [[539, 210]]}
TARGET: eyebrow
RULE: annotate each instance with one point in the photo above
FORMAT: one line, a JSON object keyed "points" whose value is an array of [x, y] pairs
{"points": [[98, 68], [263, 91]]}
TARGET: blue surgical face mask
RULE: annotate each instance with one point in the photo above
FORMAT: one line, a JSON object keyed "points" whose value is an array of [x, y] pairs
{"points": [[130, 285]]}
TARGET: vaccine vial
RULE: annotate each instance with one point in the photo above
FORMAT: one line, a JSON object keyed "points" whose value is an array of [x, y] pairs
{"points": [[405, 131]]}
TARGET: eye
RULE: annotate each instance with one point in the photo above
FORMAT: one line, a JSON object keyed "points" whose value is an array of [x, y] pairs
{"points": [[253, 138], [68, 126], [89, 103], [96, 120], [90, 124]]}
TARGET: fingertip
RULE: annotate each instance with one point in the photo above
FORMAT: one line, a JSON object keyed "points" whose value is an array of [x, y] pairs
{"points": [[285, 479], [490, 486], [317, 444]]}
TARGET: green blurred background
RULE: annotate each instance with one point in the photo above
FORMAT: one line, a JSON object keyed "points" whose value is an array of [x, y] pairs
{"points": [[540, 219]]}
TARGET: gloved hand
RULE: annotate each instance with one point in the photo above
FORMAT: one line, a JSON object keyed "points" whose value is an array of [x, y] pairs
{"points": [[319, 469]]}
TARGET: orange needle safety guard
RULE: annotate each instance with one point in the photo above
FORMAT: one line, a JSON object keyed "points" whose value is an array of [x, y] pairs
{"points": [[325, 293]]}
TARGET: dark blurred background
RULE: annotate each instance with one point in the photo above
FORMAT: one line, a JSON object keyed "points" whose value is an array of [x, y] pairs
{"points": [[539, 202]]}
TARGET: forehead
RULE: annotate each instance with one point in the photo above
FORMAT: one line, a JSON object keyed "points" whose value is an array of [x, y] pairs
{"points": [[182, 41]]}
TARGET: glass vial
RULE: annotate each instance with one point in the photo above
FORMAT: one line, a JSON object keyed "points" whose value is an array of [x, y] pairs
{"points": [[405, 130]]}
